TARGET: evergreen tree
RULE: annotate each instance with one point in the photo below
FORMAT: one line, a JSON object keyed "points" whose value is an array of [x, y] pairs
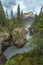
{"points": [[21, 16], [2, 15], [41, 9], [35, 21], [11, 13], [18, 13], [7, 14]]}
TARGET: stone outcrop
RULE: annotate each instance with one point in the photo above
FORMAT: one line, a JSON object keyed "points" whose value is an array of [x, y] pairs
{"points": [[31, 31], [19, 36], [29, 14], [20, 42], [3, 37]]}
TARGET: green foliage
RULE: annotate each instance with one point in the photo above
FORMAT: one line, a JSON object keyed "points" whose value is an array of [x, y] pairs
{"points": [[38, 26], [12, 23], [18, 60], [25, 59], [11, 62], [38, 22], [7, 14], [1, 29], [18, 13], [25, 63], [38, 38], [21, 16], [18, 33], [39, 60], [2, 16], [11, 13]]}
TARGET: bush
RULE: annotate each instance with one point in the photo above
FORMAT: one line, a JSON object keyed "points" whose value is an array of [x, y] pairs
{"points": [[25, 63], [11, 62], [1, 28], [20, 58]]}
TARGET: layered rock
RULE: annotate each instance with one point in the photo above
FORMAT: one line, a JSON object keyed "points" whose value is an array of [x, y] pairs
{"points": [[3, 37]]}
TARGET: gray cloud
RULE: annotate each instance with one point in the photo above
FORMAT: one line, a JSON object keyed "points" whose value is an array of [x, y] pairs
{"points": [[32, 4], [8, 3], [26, 5]]}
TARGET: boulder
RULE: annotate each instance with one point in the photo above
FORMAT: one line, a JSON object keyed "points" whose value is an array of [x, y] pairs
{"points": [[19, 36], [20, 42]]}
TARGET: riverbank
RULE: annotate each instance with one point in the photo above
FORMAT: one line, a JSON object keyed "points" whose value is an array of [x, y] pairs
{"points": [[27, 58]]}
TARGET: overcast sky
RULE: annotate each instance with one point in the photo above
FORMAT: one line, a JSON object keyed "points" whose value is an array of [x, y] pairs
{"points": [[25, 5]]}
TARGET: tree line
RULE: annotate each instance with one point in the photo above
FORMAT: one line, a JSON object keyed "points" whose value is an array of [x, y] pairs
{"points": [[13, 22]]}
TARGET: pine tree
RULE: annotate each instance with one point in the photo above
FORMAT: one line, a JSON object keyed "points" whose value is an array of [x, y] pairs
{"points": [[7, 14], [2, 15], [18, 13], [21, 16], [11, 13], [35, 22]]}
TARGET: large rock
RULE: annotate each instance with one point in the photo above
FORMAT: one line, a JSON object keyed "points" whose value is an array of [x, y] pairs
{"points": [[19, 36], [20, 42]]}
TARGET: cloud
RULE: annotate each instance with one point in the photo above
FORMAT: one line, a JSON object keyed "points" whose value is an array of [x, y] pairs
{"points": [[8, 3], [26, 5], [32, 4]]}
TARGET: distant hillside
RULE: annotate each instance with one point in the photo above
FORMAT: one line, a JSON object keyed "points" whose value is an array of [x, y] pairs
{"points": [[28, 16]]}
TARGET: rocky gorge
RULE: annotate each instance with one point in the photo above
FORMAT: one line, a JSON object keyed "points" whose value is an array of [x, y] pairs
{"points": [[15, 38]]}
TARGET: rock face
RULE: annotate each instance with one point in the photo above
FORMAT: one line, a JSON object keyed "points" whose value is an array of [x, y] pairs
{"points": [[30, 14], [20, 42], [3, 36], [31, 31]]}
